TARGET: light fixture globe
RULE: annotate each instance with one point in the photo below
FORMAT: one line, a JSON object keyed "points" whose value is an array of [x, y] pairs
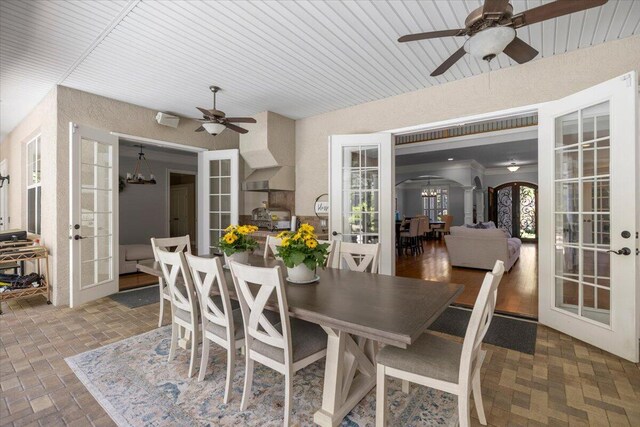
{"points": [[512, 167], [214, 128], [489, 42]]}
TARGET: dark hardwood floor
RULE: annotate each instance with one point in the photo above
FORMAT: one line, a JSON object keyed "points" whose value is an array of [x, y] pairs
{"points": [[518, 290], [136, 280]]}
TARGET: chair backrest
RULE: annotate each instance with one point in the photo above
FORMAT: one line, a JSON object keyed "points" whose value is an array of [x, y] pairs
{"points": [[270, 246], [423, 226], [334, 246], [256, 324], [174, 267], [171, 244], [479, 322], [207, 273], [414, 226], [358, 257], [448, 220]]}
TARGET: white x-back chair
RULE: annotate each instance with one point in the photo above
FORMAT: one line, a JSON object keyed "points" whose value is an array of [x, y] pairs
{"points": [[174, 244], [357, 256], [184, 304], [436, 362], [285, 346], [270, 248], [220, 323]]}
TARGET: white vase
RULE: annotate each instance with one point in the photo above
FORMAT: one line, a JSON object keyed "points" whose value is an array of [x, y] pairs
{"points": [[300, 273], [241, 257]]}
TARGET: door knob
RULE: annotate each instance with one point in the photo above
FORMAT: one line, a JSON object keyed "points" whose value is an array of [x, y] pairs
{"points": [[78, 237], [335, 233], [623, 251]]}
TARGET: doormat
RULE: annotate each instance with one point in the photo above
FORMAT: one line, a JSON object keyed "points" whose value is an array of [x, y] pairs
{"points": [[507, 332], [138, 297]]}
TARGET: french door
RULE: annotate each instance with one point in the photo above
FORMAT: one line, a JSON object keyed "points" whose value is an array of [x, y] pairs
{"points": [[361, 175], [93, 213], [514, 209], [4, 197], [588, 240], [218, 191]]}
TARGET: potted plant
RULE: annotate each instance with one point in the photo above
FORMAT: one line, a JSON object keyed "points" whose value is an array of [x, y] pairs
{"points": [[302, 253], [237, 243]]}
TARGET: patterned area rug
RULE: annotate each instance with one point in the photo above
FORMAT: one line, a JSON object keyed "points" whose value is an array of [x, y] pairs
{"points": [[135, 384]]}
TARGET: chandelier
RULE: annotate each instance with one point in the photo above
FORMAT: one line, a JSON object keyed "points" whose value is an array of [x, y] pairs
{"points": [[137, 177]]}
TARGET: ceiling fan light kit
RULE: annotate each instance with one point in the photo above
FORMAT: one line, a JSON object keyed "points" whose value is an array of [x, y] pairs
{"points": [[490, 42], [213, 128]]}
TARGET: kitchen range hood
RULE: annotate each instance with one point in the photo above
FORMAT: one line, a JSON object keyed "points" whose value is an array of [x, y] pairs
{"points": [[280, 178], [269, 151]]}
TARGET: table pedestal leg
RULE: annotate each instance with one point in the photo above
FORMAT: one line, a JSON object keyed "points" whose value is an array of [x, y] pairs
{"points": [[350, 374]]}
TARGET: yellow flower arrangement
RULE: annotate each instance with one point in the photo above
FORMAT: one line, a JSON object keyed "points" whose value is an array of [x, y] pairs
{"points": [[302, 246], [238, 239]]}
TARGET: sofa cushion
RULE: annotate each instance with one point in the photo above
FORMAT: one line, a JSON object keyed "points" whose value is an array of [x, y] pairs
{"points": [[138, 252], [489, 224], [513, 243], [477, 233]]}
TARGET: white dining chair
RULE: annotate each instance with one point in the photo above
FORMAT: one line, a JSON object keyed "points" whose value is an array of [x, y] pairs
{"points": [[175, 244], [439, 363], [357, 257], [286, 346], [334, 246], [220, 323], [270, 247], [184, 304]]}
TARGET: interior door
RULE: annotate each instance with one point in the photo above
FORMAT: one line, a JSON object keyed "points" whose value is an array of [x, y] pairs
{"points": [[362, 192], [93, 167], [218, 196], [179, 210], [588, 178]]}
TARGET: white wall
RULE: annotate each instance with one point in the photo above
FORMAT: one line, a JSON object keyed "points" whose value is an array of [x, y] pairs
{"points": [[494, 180], [143, 208], [537, 81]]}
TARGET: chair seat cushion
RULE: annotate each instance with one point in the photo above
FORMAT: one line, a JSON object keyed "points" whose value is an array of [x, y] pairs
{"points": [[221, 331], [430, 356], [306, 339]]}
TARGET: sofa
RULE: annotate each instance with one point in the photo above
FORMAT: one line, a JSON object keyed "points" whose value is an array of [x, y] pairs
{"points": [[480, 247], [130, 255]]}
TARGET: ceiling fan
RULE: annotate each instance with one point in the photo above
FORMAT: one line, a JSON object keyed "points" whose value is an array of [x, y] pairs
{"points": [[214, 121], [491, 29]]}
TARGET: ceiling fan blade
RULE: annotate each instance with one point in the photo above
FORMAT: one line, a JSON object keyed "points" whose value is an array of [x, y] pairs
{"points": [[241, 119], [235, 128], [553, 10], [494, 9], [520, 51], [204, 111], [429, 35], [200, 129], [449, 62]]}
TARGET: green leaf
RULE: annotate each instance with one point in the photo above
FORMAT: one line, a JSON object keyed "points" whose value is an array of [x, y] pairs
{"points": [[297, 258]]}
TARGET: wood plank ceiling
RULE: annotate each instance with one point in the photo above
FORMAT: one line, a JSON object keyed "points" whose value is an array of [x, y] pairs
{"points": [[297, 58]]}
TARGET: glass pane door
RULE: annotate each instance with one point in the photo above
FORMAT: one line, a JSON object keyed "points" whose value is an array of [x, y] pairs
{"points": [[218, 195], [96, 252], [582, 213], [360, 194]]}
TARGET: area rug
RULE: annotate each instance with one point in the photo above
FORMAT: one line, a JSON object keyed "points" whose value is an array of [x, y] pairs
{"points": [[136, 386], [507, 332], [138, 297]]}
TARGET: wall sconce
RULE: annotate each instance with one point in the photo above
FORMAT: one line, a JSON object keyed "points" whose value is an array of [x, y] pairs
{"points": [[3, 179]]}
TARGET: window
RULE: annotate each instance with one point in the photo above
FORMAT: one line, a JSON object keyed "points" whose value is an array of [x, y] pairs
{"points": [[435, 202], [33, 186]]}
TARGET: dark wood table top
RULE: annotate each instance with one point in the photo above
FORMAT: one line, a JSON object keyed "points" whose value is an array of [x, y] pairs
{"points": [[389, 309]]}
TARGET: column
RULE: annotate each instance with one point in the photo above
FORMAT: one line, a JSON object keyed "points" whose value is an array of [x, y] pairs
{"points": [[468, 205], [480, 195]]}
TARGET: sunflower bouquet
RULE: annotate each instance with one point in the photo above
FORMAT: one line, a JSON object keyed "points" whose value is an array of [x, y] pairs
{"points": [[302, 247], [238, 239]]}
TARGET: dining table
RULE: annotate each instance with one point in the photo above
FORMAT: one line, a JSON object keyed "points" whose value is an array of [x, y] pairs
{"points": [[358, 311]]}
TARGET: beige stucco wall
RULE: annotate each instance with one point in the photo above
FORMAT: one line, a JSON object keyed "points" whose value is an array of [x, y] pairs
{"points": [[537, 81], [51, 119]]}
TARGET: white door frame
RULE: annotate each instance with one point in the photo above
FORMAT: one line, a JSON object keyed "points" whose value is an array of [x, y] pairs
{"points": [[386, 190], [203, 194], [78, 295], [168, 198], [4, 197]]}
